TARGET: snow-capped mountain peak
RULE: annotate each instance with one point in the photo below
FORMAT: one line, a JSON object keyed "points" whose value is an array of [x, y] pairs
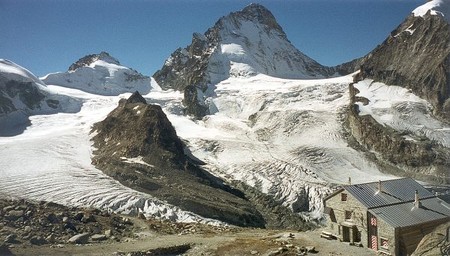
{"points": [[251, 42], [100, 74], [242, 44], [435, 7], [88, 60], [259, 14]]}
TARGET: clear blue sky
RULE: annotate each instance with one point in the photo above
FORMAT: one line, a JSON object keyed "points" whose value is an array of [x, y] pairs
{"points": [[48, 35]]}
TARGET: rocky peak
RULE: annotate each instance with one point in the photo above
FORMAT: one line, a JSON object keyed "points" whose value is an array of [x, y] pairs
{"points": [[135, 129], [136, 97], [243, 43], [91, 58], [258, 14]]}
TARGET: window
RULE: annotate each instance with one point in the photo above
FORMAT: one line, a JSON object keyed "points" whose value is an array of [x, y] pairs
{"points": [[384, 243], [343, 197], [348, 215]]}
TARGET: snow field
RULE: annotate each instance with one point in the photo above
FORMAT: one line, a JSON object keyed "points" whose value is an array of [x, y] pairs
{"points": [[51, 161], [281, 136]]}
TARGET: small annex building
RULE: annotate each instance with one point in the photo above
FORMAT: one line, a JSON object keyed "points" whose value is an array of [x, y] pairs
{"points": [[389, 217]]}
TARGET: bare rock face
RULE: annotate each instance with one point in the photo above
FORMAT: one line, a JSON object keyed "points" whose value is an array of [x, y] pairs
{"points": [[26, 92], [137, 145], [416, 56]]}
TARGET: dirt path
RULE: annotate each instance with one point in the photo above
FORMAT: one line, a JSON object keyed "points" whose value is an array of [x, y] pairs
{"points": [[246, 242]]}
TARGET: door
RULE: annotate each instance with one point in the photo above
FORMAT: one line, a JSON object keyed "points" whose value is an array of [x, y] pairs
{"points": [[345, 234], [373, 231]]}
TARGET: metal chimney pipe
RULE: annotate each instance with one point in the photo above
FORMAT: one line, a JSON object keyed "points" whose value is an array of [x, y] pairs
{"points": [[379, 186], [416, 199]]}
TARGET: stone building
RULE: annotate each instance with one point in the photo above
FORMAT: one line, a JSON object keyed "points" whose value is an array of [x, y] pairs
{"points": [[389, 217]]}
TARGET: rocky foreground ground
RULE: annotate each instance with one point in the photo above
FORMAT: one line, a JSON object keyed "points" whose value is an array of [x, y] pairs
{"points": [[43, 228]]}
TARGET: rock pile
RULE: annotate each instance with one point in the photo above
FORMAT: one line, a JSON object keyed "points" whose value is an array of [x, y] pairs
{"points": [[42, 223]]}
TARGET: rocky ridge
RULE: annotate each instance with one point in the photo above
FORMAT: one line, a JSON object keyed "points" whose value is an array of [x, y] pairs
{"points": [[91, 58]]}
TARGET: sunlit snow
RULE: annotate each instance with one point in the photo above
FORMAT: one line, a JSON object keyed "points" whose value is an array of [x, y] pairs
{"points": [[435, 7], [51, 161]]}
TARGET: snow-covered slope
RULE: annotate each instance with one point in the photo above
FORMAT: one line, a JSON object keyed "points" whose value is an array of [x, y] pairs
{"points": [[435, 7], [282, 137], [23, 94], [100, 74], [51, 161]]}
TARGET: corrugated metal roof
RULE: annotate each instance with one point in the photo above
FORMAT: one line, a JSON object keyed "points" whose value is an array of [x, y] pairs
{"points": [[392, 191], [405, 214]]}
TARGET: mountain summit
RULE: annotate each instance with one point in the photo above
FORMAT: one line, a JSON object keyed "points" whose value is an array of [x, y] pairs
{"points": [[100, 74], [241, 44], [91, 58]]}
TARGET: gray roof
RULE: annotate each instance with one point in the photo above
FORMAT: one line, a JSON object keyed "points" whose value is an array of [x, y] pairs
{"points": [[392, 192], [405, 214]]}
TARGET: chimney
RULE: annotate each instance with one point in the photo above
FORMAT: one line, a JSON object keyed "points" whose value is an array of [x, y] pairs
{"points": [[379, 187], [349, 180], [417, 203]]}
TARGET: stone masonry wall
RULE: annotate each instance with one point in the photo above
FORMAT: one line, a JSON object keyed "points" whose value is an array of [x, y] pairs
{"points": [[358, 215]]}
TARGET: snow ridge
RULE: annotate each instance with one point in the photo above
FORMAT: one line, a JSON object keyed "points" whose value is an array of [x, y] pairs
{"points": [[435, 7]]}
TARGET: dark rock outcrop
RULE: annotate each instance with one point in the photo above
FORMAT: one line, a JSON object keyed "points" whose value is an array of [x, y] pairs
{"points": [[416, 56], [26, 91], [137, 145]]}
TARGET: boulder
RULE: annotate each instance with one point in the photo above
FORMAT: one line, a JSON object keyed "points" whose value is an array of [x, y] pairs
{"points": [[98, 237], [79, 239], [14, 215]]}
